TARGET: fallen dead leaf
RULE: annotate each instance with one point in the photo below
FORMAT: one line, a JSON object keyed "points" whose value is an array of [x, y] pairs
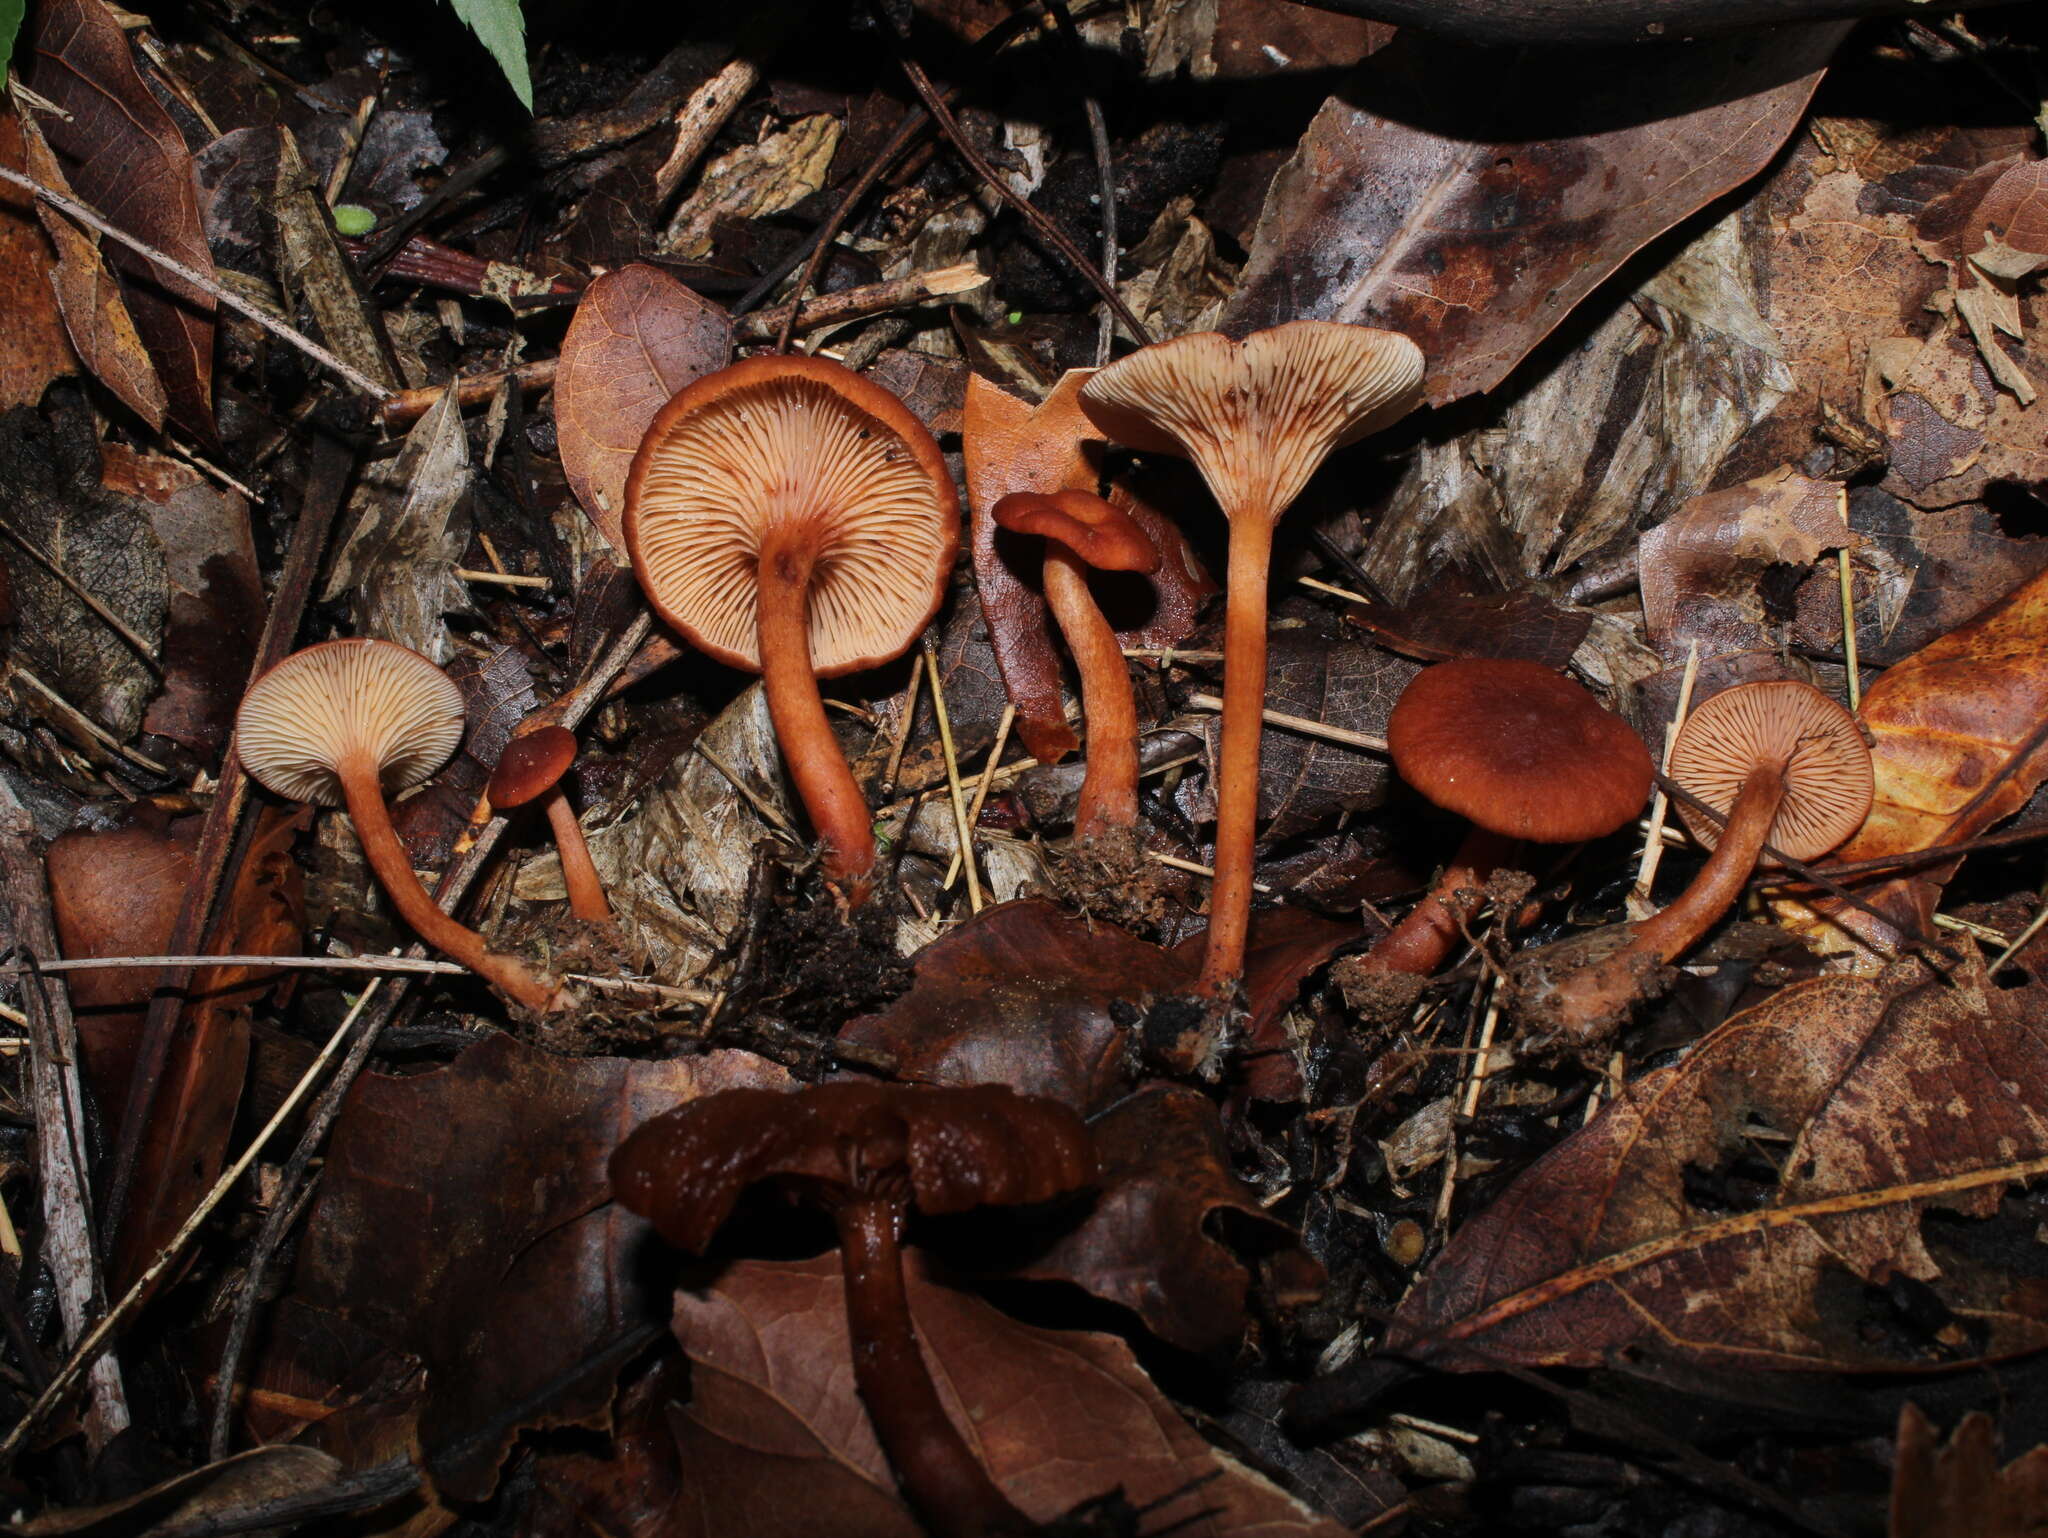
{"points": [[1958, 1486], [34, 348]]}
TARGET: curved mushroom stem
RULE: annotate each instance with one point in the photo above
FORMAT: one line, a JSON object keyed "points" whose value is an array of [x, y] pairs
{"points": [[579, 874], [1425, 938], [939, 1473], [1109, 789], [1237, 772], [838, 811], [393, 869], [1713, 891]]}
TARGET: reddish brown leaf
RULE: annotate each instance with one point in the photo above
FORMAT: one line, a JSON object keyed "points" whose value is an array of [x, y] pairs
{"points": [[1152, 1241], [1451, 621], [1939, 1491], [1011, 445], [1475, 218], [1957, 715], [637, 338], [465, 1218], [773, 1445], [33, 348], [125, 158], [1794, 1194]]}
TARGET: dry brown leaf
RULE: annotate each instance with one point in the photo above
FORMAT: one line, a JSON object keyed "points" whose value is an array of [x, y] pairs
{"points": [[218, 1491], [1475, 219], [775, 173], [638, 337], [33, 348], [1798, 1193], [1942, 1491], [775, 1443]]}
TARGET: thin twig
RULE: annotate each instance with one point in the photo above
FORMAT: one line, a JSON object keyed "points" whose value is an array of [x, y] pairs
{"points": [[995, 757], [1195, 868], [142, 649], [1660, 804], [698, 121], [960, 823], [70, 206], [888, 785], [1849, 630], [1302, 724], [859, 303]]}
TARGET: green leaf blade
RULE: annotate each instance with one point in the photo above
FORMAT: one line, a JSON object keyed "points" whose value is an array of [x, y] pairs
{"points": [[500, 27]]}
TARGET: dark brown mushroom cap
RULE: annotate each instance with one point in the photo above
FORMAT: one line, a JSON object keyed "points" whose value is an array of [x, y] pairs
{"points": [[1828, 778], [532, 764], [1258, 416], [785, 444], [373, 702], [1097, 531], [1520, 750], [946, 1149]]}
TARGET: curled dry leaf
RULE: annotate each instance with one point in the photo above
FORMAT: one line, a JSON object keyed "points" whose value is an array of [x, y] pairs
{"points": [[1013, 446], [465, 1217], [1960, 733], [125, 158], [34, 348], [1475, 220], [638, 337], [1800, 1192], [190, 1501], [1939, 1490], [1058, 1417]]}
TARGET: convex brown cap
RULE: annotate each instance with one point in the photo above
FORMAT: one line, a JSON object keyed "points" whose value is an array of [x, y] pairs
{"points": [[532, 764], [1520, 750], [1828, 778], [784, 444], [982, 1145], [1098, 531], [1258, 417], [330, 703]]}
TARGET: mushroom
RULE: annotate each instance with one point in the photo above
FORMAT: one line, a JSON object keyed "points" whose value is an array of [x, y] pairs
{"points": [[790, 518], [869, 1154], [345, 722], [1786, 765], [1524, 754], [1081, 531], [531, 768], [1257, 418]]}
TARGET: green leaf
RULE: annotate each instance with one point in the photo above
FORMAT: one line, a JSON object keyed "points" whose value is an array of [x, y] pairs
{"points": [[10, 27], [500, 28]]}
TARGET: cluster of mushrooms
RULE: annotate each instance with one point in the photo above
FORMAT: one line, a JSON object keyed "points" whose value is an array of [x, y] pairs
{"points": [[791, 518]]}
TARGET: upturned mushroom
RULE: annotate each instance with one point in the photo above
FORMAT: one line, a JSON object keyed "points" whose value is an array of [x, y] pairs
{"points": [[869, 1155], [1524, 754], [1257, 418], [1785, 765], [791, 518], [1083, 532], [345, 723], [531, 769]]}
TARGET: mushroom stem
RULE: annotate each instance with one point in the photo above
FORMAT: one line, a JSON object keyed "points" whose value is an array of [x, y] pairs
{"points": [[1109, 789], [1237, 772], [1421, 942], [838, 811], [579, 874], [393, 869], [1720, 881], [939, 1473]]}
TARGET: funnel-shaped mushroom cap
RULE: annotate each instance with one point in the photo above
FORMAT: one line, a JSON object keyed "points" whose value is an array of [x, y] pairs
{"points": [[531, 765], [1828, 780], [1258, 417], [1520, 750], [773, 448], [1099, 532], [952, 1148], [372, 701]]}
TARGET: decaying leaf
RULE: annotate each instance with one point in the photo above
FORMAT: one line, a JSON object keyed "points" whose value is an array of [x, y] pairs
{"points": [[637, 338], [778, 172], [1475, 219], [772, 1445], [465, 1217], [1958, 1486], [217, 1492], [1451, 620], [1800, 1192], [34, 349]]}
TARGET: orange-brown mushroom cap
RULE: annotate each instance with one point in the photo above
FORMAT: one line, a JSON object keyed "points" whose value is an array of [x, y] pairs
{"points": [[1828, 779], [532, 764], [319, 707], [783, 445], [1098, 532], [1258, 417], [1520, 750]]}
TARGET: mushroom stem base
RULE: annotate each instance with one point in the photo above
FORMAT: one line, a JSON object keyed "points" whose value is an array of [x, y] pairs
{"points": [[1425, 938], [1237, 769], [1109, 788], [939, 1473], [579, 873]]}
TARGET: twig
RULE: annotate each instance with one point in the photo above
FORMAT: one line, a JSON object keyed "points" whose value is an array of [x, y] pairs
{"points": [[698, 120], [1848, 631], [767, 810], [960, 824], [1333, 590], [1167, 656], [70, 206], [1195, 868], [407, 406], [142, 649], [2019, 941], [59, 1106], [84, 723], [499, 578], [1044, 227], [987, 777], [858, 303], [1302, 724], [1476, 1081], [888, 785], [1660, 804]]}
